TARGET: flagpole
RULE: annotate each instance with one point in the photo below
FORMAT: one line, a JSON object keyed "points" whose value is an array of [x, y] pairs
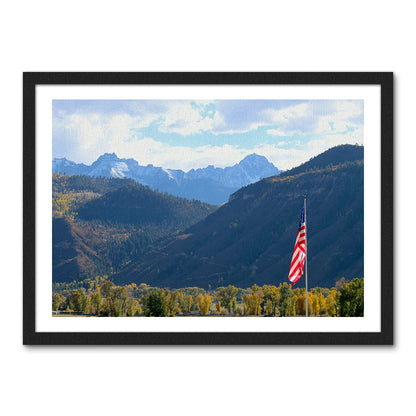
{"points": [[306, 257]]}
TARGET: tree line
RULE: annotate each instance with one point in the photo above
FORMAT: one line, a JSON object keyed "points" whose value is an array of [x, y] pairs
{"points": [[101, 297]]}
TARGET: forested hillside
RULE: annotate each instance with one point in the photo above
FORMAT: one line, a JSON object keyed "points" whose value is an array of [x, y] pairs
{"points": [[250, 239], [138, 204], [100, 224]]}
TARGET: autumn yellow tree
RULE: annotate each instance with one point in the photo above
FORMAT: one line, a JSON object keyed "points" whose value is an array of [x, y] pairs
{"points": [[321, 303], [96, 300], [189, 301], [57, 301], [131, 307], [300, 305], [310, 304], [315, 305], [78, 302], [252, 301], [331, 302], [285, 299], [293, 303], [218, 308], [227, 296], [271, 299], [204, 302], [115, 298], [180, 302], [269, 307], [170, 299]]}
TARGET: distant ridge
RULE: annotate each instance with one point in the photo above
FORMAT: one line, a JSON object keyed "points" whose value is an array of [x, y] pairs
{"points": [[334, 156], [212, 185], [137, 204]]}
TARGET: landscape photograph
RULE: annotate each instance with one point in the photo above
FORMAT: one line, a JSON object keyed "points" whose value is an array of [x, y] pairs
{"points": [[207, 208]]}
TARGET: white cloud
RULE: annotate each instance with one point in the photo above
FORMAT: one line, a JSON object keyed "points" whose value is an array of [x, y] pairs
{"points": [[276, 132], [341, 119], [185, 118], [85, 137], [287, 114], [317, 118], [222, 128]]}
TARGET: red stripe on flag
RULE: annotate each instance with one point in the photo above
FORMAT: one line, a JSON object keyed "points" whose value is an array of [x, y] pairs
{"points": [[299, 255]]}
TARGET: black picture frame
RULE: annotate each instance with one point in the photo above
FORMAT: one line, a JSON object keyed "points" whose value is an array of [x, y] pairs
{"points": [[33, 79]]}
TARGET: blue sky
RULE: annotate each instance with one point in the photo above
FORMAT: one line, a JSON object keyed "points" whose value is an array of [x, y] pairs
{"points": [[185, 134]]}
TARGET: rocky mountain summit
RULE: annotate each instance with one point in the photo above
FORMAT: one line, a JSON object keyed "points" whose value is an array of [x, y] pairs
{"points": [[211, 184]]}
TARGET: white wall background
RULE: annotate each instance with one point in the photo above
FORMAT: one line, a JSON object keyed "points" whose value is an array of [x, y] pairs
{"points": [[206, 36]]}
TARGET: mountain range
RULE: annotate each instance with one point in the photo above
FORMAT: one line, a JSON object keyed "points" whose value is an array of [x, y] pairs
{"points": [[251, 238], [212, 185], [134, 234]]}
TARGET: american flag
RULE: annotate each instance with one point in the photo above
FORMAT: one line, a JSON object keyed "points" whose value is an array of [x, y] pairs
{"points": [[299, 253]]}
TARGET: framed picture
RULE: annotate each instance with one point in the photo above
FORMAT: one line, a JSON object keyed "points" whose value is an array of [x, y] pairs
{"points": [[208, 208]]}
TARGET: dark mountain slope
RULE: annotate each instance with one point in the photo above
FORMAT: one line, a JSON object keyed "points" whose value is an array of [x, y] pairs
{"points": [[73, 258], [251, 238], [138, 204], [334, 156]]}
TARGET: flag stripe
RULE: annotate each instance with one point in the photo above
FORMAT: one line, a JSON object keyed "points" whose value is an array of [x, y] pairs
{"points": [[299, 252]]}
